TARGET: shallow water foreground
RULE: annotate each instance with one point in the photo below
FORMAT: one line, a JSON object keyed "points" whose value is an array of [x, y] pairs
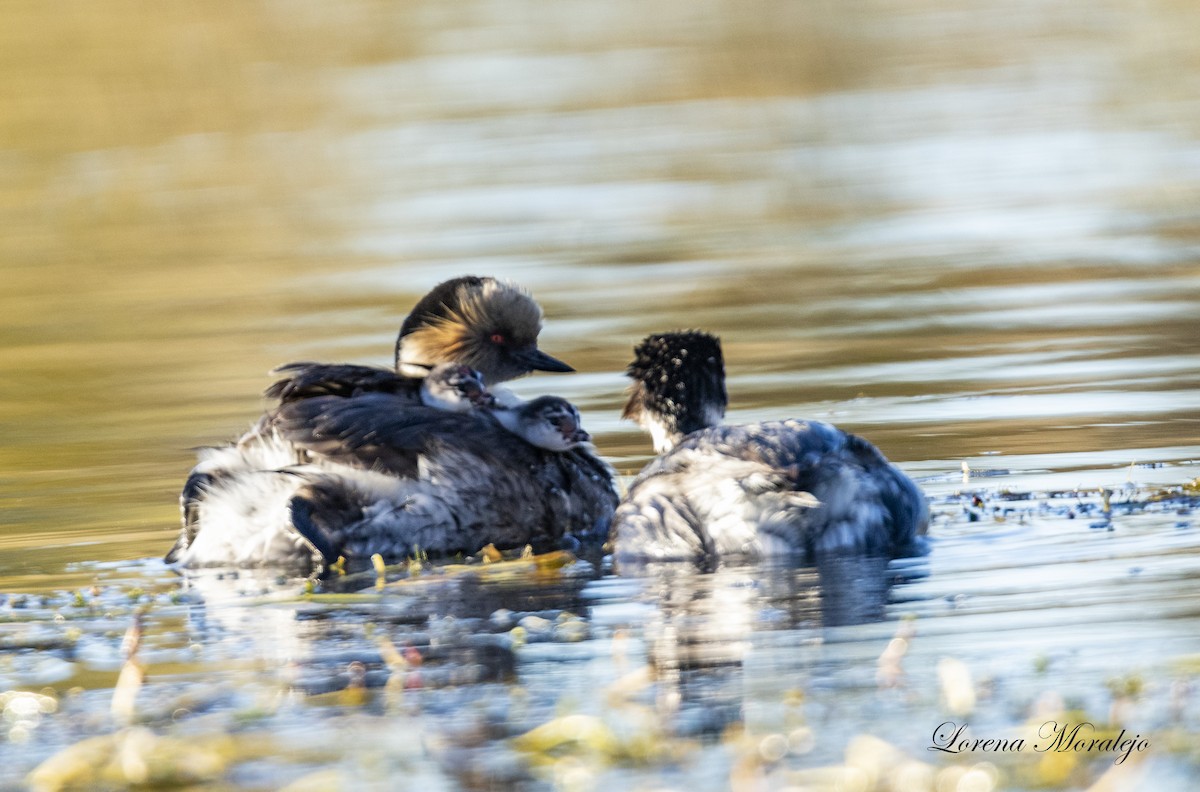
{"points": [[541, 672], [968, 232]]}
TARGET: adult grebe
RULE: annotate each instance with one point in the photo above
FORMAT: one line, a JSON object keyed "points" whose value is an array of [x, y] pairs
{"points": [[780, 487], [236, 502]]}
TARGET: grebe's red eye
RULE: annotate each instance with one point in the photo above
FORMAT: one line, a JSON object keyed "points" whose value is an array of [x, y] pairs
{"points": [[497, 338]]}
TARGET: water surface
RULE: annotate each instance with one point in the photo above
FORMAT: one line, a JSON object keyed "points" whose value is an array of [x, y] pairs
{"points": [[967, 232]]}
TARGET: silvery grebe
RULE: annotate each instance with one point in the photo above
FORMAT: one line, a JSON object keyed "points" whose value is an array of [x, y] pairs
{"points": [[774, 488], [236, 502]]}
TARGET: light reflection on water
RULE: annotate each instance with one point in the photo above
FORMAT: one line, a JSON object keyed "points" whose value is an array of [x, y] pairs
{"points": [[967, 232]]}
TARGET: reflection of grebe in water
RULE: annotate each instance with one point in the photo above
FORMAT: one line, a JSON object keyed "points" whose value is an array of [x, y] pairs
{"points": [[390, 471], [781, 487], [724, 645]]}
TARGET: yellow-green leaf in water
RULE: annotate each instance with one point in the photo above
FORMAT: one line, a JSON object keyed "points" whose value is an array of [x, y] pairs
{"points": [[573, 732], [134, 757]]}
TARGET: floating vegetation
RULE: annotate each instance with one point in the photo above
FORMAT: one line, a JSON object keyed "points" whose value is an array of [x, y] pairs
{"points": [[135, 757]]}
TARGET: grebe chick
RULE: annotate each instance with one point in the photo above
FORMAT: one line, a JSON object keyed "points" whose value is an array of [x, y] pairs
{"points": [[453, 387], [774, 488], [549, 422]]}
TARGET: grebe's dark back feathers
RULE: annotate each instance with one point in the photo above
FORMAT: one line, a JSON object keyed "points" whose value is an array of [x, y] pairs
{"points": [[445, 482], [307, 380], [380, 431]]}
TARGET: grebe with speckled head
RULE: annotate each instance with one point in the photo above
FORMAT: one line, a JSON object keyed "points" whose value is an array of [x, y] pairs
{"points": [[774, 488]]}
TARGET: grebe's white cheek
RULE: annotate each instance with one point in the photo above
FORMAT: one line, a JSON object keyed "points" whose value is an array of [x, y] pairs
{"points": [[659, 435]]}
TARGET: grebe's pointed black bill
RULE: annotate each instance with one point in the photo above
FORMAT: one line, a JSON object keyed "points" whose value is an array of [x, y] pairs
{"points": [[537, 360]]}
